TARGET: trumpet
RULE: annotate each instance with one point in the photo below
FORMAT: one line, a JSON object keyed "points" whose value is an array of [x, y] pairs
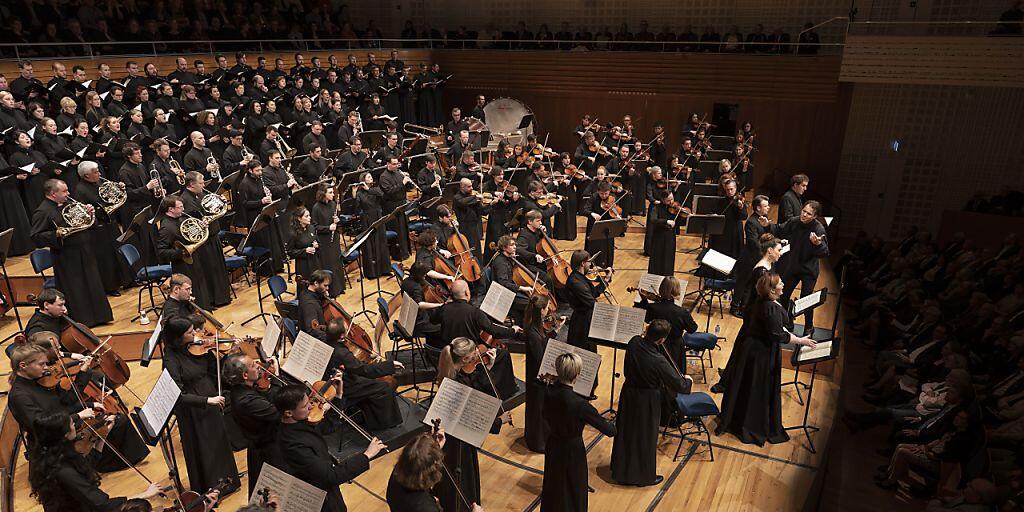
{"points": [[159, 191], [215, 173], [179, 173]]}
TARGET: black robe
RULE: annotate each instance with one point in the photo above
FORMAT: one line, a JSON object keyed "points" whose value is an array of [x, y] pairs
{"points": [[394, 197], [603, 251], [565, 462], [167, 251], [752, 404], [305, 263], [204, 440], [376, 260], [113, 269], [730, 242], [461, 458], [13, 213], [738, 353], [330, 244], [565, 219], [32, 187], [209, 257], [139, 197], [375, 398], [459, 318], [498, 213], [74, 266], [469, 210], [402, 499], [257, 419], [647, 372], [662, 248], [307, 458], [581, 295], [682, 322], [276, 179], [536, 429]]}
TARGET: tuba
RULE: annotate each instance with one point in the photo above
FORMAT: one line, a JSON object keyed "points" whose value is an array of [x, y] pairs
{"points": [[112, 193], [179, 173], [214, 207], [77, 217], [195, 232]]}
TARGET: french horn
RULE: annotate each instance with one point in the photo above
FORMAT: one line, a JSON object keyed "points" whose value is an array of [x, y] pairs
{"points": [[195, 232], [77, 217]]}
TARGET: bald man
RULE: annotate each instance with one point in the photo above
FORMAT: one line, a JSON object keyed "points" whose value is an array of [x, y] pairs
{"points": [[200, 158]]}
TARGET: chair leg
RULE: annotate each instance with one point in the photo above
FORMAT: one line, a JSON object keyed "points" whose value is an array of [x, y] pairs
{"points": [[682, 438], [703, 369], [711, 448]]}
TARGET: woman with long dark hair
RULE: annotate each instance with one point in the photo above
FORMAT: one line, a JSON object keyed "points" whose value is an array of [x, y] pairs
{"points": [[62, 480], [303, 246], [752, 404], [204, 439], [536, 431], [419, 468], [324, 215]]}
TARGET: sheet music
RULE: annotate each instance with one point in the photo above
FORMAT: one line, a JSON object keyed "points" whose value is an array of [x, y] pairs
{"points": [[294, 495], [823, 349], [803, 303], [466, 414], [631, 323], [650, 282], [603, 321], [150, 345], [498, 301], [785, 247], [828, 221], [159, 404], [271, 334], [308, 359], [591, 364], [407, 313], [718, 261]]}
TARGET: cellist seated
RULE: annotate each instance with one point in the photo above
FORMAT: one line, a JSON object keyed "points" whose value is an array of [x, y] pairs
{"points": [[526, 245], [427, 249], [375, 398], [501, 272], [311, 310]]}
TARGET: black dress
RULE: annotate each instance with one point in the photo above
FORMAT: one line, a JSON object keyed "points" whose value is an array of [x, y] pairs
{"points": [[565, 462], [662, 247], [403, 499], [603, 251], [80, 494], [461, 458], [330, 245], [74, 266], [647, 372], [565, 219], [204, 440], [752, 404], [376, 260], [536, 429], [581, 295], [737, 353], [305, 263], [730, 242], [13, 213]]}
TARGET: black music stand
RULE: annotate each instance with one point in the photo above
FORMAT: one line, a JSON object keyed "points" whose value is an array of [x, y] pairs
{"points": [[707, 170], [5, 246], [264, 220], [705, 226], [303, 196], [135, 226], [796, 362], [705, 189], [361, 239], [607, 229]]}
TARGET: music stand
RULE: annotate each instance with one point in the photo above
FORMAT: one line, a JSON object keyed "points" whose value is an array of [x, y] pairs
{"points": [[135, 226], [361, 239], [796, 362], [525, 122], [5, 245], [228, 182], [304, 195], [705, 189], [263, 220], [705, 226]]}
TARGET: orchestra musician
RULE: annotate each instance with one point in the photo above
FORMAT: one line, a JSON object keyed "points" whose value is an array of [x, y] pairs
{"points": [[730, 241], [199, 409], [315, 136], [502, 208], [209, 256], [566, 477], [648, 374], [234, 158], [74, 261], [426, 245], [526, 245], [310, 295], [179, 301], [582, 294], [200, 158], [431, 183], [375, 256], [461, 362], [303, 246], [313, 168], [249, 197], [281, 185], [601, 206], [304, 449], [664, 227], [536, 430], [172, 213], [469, 210], [374, 398], [453, 127], [468, 169], [390, 148], [418, 470], [113, 271], [501, 269], [414, 284], [324, 217], [49, 314], [750, 254], [395, 183], [570, 189], [143, 191], [531, 202]]}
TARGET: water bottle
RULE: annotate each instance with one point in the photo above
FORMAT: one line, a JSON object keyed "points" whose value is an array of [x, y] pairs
{"points": [[718, 328]]}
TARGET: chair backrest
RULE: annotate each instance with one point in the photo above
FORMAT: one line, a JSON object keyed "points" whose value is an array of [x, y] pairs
{"points": [[399, 274], [131, 255], [382, 307], [41, 260], [290, 328], [277, 286]]}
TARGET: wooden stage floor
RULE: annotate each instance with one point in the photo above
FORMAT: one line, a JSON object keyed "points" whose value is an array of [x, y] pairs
{"points": [[742, 477]]}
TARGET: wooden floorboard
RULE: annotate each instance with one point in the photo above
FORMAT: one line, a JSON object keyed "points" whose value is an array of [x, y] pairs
{"points": [[742, 477]]}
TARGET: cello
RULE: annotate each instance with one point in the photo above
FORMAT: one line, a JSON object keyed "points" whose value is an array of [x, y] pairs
{"points": [[459, 246], [78, 338], [356, 338], [523, 276], [558, 268]]}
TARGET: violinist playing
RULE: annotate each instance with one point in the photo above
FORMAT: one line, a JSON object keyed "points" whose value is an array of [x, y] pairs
{"points": [[657, 182], [179, 301], [63, 480], [374, 398], [730, 241], [253, 410], [538, 331], [744, 169], [304, 449], [462, 362], [570, 186], [582, 294], [624, 170], [418, 470], [199, 410], [663, 224], [601, 206], [72, 376], [536, 192], [587, 153], [469, 210], [502, 208]]}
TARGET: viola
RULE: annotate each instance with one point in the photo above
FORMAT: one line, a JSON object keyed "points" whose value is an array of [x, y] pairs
{"points": [[484, 357], [324, 393], [558, 268], [459, 246]]}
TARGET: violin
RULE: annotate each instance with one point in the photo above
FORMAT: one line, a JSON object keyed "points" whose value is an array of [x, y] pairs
{"points": [[611, 206], [483, 351], [573, 172], [201, 347], [459, 246], [322, 393], [647, 294], [548, 199], [558, 268], [594, 147], [61, 372], [595, 273]]}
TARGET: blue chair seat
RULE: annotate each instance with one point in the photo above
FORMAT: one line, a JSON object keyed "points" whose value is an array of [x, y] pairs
{"points": [[418, 226], [154, 273], [234, 262], [696, 405], [352, 257], [254, 253], [700, 340], [720, 284]]}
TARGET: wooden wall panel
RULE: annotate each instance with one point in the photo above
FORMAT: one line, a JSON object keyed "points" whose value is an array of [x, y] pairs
{"points": [[796, 104], [971, 61]]}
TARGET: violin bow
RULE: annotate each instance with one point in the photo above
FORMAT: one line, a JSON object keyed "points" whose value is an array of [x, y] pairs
{"points": [[487, 373]]}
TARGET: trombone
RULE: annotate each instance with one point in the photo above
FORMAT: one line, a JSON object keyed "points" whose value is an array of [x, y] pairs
{"points": [[415, 129]]}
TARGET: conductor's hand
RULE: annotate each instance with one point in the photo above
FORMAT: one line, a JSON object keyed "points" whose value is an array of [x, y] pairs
{"points": [[376, 446], [815, 239], [216, 400]]}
